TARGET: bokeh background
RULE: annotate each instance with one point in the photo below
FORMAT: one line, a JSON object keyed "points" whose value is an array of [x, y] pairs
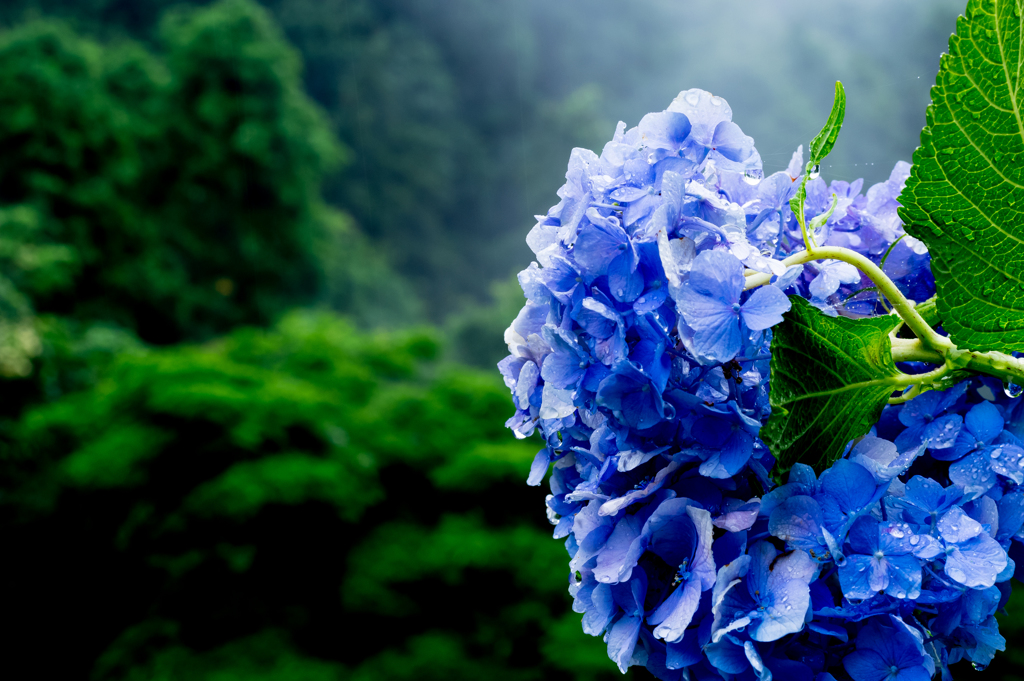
{"points": [[255, 265]]}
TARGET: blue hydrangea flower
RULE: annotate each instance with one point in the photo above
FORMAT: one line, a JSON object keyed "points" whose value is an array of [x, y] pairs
{"points": [[973, 558], [643, 366], [881, 560], [709, 302], [888, 651], [764, 593]]}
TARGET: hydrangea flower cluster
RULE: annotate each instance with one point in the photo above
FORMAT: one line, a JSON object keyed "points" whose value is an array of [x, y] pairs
{"points": [[644, 365]]}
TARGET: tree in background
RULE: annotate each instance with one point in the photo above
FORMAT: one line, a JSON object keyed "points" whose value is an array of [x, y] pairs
{"points": [[304, 502], [185, 187]]}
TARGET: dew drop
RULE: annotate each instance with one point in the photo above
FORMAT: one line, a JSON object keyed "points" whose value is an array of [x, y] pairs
{"points": [[1012, 390], [815, 172], [915, 540], [751, 180], [692, 99], [717, 101]]}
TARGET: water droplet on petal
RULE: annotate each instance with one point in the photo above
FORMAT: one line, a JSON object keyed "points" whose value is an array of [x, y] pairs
{"points": [[717, 101], [692, 99]]}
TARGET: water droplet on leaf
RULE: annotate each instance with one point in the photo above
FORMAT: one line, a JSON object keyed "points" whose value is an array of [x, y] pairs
{"points": [[1013, 390]]}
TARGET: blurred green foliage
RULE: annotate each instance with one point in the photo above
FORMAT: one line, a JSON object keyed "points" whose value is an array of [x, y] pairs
{"points": [[182, 187], [309, 501], [296, 499]]}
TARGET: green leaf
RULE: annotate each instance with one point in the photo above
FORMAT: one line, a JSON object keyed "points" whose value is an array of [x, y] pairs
{"points": [[822, 144], [831, 376], [965, 195]]}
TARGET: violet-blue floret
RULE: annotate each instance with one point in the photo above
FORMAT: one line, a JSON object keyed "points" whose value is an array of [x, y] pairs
{"points": [[643, 364]]}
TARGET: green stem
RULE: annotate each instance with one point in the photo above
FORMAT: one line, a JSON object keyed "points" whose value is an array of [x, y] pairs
{"points": [[929, 311], [914, 391], [929, 346], [903, 307], [1007, 368], [913, 350]]}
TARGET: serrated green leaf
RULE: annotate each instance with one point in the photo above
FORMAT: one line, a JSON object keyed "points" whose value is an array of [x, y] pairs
{"points": [[965, 194], [831, 376], [823, 142]]}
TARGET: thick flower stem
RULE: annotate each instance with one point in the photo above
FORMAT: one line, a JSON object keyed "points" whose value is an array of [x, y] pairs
{"points": [[903, 307], [929, 346], [913, 350]]}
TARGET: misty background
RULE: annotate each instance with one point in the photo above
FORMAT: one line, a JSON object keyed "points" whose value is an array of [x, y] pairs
{"points": [[256, 259], [457, 116]]}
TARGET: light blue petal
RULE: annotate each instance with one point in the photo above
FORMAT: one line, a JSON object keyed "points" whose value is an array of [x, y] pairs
{"points": [[764, 308]]}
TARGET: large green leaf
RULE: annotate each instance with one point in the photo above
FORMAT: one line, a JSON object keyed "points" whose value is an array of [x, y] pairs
{"points": [[965, 195], [831, 376]]}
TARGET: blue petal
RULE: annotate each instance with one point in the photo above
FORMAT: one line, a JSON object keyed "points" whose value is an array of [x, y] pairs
{"points": [[674, 615], [855, 577], [562, 370], [904, 573], [984, 421], [624, 280], [666, 129], [719, 275], [684, 653], [730, 142], [866, 665], [539, 467], [731, 458], [941, 433], [956, 526], [718, 343], [597, 319], [797, 521], [850, 484], [977, 562], [671, 533], [863, 535], [622, 641], [727, 657], [616, 560], [974, 473], [764, 308], [702, 311], [597, 245]]}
